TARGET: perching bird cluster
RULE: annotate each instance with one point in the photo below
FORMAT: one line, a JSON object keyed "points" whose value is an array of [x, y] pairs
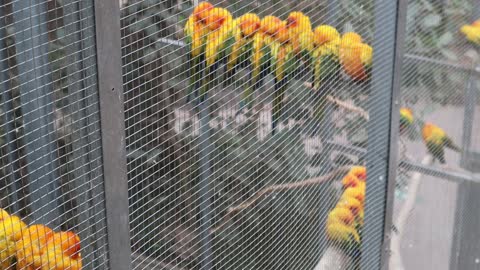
{"points": [[36, 247], [472, 32], [434, 137], [269, 45], [345, 221]]}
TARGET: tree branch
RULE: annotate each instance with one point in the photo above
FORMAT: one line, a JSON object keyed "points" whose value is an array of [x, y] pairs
{"points": [[339, 172], [343, 104]]}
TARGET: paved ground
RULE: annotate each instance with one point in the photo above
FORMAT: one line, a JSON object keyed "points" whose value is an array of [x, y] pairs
{"points": [[428, 236]]}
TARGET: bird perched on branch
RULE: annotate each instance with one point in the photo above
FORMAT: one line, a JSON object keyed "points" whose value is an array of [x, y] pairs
{"points": [[406, 119], [341, 227], [196, 32], [436, 141], [248, 25], [11, 228], [355, 56]]}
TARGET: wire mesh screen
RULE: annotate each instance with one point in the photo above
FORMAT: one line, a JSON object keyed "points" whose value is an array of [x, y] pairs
{"points": [[246, 132], [51, 185], [435, 213]]}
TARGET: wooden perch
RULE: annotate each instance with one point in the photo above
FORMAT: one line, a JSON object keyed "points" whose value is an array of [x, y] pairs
{"points": [[335, 174], [343, 104]]}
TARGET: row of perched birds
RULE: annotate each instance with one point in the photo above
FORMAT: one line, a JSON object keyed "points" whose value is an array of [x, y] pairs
{"points": [[345, 222], [472, 32], [36, 247], [269, 45]]}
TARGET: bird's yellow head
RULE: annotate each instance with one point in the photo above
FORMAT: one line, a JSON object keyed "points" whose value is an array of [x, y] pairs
{"points": [[11, 228], [357, 192], [406, 115], [270, 25], [217, 17], [351, 203], [69, 242], [200, 12], [350, 38], [366, 54], [341, 214], [350, 180], [249, 24], [472, 33], [325, 34], [360, 172], [297, 22]]}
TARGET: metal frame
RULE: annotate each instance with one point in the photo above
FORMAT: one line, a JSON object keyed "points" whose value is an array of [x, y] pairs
{"points": [[31, 44], [381, 162], [80, 34], [109, 65], [465, 245]]}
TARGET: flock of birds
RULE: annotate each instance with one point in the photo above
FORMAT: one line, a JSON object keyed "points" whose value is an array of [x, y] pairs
{"points": [[36, 247]]}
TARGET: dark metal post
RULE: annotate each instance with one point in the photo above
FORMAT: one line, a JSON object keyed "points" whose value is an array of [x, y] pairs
{"points": [[83, 109], [205, 149], [382, 147], [31, 43], [109, 65], [465, 248]]}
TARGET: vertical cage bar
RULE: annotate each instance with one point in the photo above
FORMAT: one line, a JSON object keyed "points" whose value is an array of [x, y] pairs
{"points": [[109, 65], [31, 43], [465, 246], [205, 148], [8, 125], [83, 109], [381, 157]]}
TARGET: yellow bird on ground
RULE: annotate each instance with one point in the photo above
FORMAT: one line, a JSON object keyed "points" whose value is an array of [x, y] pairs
{"points": [[436, 140]]}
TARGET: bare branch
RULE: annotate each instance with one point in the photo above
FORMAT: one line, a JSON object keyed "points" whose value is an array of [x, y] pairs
{"points": [[339, 172], [343, 104]]}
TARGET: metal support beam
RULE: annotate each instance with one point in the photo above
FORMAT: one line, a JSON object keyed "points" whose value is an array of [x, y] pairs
{"points": [[109, 65], [36, 95], [381, 157], [465, 245]]}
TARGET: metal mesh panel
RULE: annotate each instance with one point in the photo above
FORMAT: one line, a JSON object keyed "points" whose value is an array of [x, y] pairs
{"points": [[226, 180], [51, 164], [435, 213]]}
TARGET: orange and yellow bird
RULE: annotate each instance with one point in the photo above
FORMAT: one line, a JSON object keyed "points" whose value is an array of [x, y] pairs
{"points": [[406, 119], [355, 56], [472, 32], [11, 228], [62, 252], [436, 141], [196, 32]]}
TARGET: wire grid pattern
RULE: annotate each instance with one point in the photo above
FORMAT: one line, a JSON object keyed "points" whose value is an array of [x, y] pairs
{"points": [[433, 218], [51, 162], [191, 161]]}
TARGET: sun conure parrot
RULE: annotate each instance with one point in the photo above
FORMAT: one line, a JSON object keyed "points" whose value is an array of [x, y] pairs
{"points": [[472, 32], [355, 56], [326, 61], [11, 228], [357, 192], [248, 25], [196, 34], [436, 140], [356, 174], [219, 44], [355, 206], [298, 24], [30, 246], [282, 64], [341, 228], [406, 119], [62, 252]]}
